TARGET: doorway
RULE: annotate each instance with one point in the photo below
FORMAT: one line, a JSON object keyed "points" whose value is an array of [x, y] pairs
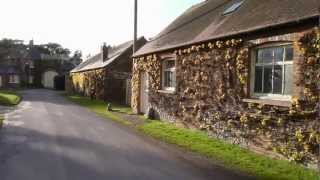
{"points": [[48, 79], [144, 90]]}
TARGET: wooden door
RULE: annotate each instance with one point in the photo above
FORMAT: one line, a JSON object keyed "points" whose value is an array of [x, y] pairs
{"points": [[144, 93]]}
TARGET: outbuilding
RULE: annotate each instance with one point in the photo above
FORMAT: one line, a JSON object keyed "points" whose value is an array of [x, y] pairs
{"points": [[246, 71], [106, 75]]}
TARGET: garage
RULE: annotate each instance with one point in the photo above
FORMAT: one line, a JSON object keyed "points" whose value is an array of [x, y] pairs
{"points": [[48, 79]]}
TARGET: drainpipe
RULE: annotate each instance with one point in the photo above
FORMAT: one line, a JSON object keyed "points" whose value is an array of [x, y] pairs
{"points": [[318, 113], [135, 26], [319, 17]]}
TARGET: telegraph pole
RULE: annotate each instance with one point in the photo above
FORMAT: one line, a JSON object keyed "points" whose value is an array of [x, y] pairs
{"points": [[135, 26]]}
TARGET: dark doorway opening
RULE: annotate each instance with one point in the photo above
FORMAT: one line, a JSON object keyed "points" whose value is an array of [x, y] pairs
{"points": [[59, 83]]}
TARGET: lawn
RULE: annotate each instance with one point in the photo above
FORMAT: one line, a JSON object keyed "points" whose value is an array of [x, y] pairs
{"points": [[230, 156], [9, 98]]}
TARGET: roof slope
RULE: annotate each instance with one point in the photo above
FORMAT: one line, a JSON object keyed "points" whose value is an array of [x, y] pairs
{"points": [[96, 62], [8, 69], [205, 21]]}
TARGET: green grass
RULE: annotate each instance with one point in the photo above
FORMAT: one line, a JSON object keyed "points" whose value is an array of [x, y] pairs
{"points": [[230, 156], [100, 107], [9, 98], [1, 120]]}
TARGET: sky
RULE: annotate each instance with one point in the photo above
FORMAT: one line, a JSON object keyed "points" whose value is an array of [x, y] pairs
{"points": [[85, 24]]}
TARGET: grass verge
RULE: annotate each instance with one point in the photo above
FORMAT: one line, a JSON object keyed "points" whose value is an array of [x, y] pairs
{"points": [[9, 98], [100, 107], [230, 156], [1, 120]]}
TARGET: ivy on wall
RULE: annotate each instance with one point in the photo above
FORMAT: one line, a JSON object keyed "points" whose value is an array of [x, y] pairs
{"points": [[88, 82], [212, 79], [151, 65]]}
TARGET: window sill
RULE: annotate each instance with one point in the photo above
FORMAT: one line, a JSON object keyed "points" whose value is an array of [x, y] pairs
{"points": [[281, 103], [167, 92]]}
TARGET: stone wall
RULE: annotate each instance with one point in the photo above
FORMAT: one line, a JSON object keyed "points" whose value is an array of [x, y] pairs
{"points": [[105, 84], [213, 83], [85, 82]]}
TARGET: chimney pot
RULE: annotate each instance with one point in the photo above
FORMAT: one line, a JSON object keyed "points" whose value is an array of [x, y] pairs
{"points": [[104, 52]]}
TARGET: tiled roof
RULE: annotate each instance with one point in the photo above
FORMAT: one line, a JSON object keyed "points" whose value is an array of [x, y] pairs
{"points": [[96, 62], [6, 69], [206, 21]]}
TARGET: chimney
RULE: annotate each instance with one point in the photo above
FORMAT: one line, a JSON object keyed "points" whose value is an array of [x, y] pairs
{"points": [[31, 43], [104, 52]]}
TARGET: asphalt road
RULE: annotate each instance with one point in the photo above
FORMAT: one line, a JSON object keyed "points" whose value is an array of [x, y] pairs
{"points": [[48, 138]]}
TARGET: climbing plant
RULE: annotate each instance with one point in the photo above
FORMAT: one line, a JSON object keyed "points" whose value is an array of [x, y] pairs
{"points": [[212, 79]]}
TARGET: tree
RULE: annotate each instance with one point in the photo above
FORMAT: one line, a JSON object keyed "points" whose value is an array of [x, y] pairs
{"points": [[10, 48], [53, 49], [76, 59]]}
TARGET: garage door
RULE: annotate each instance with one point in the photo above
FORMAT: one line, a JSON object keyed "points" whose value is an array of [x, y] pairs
{"points": [[48, 79]]}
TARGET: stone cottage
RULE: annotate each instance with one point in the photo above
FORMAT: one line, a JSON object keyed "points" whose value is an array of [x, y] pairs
{"points": [[106, 75], [246, 71], [16, 65]]}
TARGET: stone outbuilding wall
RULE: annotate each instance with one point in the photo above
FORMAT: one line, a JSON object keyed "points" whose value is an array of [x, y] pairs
{"points": [[103, 84], [213, 94], [85, 82]]}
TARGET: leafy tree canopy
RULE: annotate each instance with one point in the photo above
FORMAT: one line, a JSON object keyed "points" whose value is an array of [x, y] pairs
{"points": [[53, 49], [14, 48]]}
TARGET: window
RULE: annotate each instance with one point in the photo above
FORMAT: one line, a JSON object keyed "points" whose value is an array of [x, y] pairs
{"points": [[14, 79], [232, 8], [273, 71], [169, 75]]}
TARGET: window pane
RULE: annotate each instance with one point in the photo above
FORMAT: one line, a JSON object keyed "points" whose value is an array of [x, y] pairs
{"points": [[266, 55], [168, 79], [168, 74], [267, 84], [277, 80], [259, 56], [288, 80], [258, 80], [169, 64], [289, 53], [278, 54], [174, 79]]}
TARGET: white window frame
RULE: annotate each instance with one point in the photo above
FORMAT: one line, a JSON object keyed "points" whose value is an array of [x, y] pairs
{"points": [[270, 96], [173, 70], [14, 79]]}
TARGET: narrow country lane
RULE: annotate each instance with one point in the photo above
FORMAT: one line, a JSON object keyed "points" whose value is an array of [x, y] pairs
{"points": [[48, 138]]}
